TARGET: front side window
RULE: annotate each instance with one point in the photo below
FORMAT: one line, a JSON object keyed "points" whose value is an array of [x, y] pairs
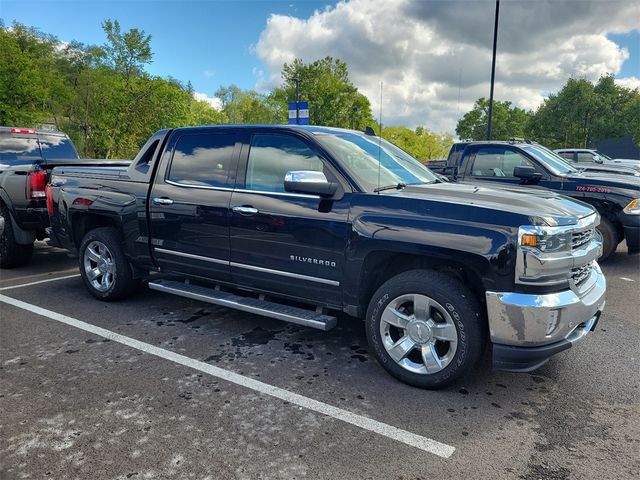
{"points": [[202, 160], [497, 161], [273, 155]]}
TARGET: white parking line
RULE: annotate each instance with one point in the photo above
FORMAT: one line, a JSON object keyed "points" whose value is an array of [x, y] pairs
{"points": [[11, 287], [46, 274], [423, 443]]}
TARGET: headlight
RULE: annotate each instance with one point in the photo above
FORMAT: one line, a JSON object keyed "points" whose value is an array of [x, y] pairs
{"points": [[548, 243], [633, 208]]}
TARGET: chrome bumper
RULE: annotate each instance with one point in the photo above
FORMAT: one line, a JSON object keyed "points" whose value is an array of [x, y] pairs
{"points": [[525, 320]]}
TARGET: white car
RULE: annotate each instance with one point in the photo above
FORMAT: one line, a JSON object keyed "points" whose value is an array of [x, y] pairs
{"points": [[585, 155]]}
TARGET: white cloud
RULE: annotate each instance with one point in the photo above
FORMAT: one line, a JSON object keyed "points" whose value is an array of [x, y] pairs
{"points": [[629, 82], [434, 57], [213, 101]]}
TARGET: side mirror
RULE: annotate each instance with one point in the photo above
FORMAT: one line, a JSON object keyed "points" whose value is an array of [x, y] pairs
{"points": [[450, 172], [527, 173], [598, 159], [309, 181]]}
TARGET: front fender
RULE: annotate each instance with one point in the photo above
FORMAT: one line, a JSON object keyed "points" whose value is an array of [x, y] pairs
{"points": [[487, 250]]}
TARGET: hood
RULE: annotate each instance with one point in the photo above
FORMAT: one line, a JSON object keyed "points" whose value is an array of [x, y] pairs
{"points": [[607, 169], [604, 179], [543, 206]]}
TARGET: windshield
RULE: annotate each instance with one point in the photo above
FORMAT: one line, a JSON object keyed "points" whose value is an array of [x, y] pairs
{"points": [[56, 147], [551, 160], [359, 154], [603, 155]]}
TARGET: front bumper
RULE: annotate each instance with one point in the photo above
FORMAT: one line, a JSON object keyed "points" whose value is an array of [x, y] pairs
{"points": [[527, 329], [631, 225]]}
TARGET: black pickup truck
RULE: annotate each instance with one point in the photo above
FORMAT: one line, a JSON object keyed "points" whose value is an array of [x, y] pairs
{"points": [[302, 223], [615, 197], [27, 156]]}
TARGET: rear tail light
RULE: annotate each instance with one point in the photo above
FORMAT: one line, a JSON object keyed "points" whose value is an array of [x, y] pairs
{"points": [[36, 182], [49, 199]]}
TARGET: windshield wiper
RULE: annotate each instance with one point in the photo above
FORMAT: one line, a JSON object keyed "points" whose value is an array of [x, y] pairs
{"points": [[397, 186]]}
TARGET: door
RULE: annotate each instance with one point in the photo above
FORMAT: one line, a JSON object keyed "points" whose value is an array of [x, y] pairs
{"points": [[190, 203], [286, 243], [496, 163]]}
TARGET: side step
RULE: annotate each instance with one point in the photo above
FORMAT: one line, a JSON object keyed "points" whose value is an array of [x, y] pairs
{"points": [[300, 316]]}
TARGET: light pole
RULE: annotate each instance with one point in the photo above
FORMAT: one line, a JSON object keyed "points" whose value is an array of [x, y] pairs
{"points": [[493, 68], [297, 80]]}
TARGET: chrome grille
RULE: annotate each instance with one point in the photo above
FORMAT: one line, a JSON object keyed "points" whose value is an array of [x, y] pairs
{"points": [[580, 274], [579, 239]]}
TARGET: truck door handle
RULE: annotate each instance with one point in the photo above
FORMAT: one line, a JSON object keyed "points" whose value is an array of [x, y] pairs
{"points": [[245, 210], [162, 201]]}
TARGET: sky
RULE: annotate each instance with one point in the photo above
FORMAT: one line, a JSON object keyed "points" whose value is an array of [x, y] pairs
{"points": [[432, 57]]}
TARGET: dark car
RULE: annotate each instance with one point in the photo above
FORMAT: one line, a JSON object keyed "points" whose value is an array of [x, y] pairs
{"points": [[26, 156], [517, 163], [26, 159], [298, 223]]}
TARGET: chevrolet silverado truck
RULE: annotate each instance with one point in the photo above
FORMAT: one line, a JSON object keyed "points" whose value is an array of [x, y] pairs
{"points": [[302, 223], [27, 156], [615, 197]]}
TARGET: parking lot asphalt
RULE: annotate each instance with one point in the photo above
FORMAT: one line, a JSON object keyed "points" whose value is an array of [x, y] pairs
{"points": [[82, 402]]}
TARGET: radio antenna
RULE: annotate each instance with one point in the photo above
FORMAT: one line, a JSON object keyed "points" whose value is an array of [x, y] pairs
{"points": [[379, 137]]}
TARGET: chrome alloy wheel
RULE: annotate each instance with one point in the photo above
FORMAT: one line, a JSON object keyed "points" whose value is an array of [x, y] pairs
{"points": [[418, 334], [99, 266]]}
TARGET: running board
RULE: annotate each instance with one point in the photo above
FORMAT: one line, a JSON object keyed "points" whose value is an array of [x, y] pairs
{"points": [[300, 316]]}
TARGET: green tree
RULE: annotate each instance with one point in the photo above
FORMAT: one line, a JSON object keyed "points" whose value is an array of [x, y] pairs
{"points": [[507, 121], [333, 99], [247, 106], [28, 80], [421, 143]]}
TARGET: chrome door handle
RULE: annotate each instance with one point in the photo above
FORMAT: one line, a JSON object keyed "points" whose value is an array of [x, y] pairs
{"points": [[162, 201], [244, 210]]}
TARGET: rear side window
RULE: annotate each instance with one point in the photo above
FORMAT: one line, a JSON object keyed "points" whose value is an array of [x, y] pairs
{"points": [[56, 147], [202, 159], [585, 157], [567, 155], [271, 156], [18, 149]]}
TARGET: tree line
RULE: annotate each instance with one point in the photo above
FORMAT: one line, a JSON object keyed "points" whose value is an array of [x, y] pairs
{"points": [[103, 97], [580, 115], [105, 100]]}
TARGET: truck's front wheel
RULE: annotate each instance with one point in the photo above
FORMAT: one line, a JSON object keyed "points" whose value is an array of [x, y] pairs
{"points": [[104, 268], [425, 328], [12, 253]]}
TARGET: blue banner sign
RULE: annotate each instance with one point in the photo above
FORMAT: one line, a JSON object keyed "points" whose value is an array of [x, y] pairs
{"points": [[302, 113]]}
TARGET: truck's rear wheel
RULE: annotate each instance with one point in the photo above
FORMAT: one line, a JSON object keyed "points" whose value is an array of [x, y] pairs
{"points": [[104, 268], [12, 254], [609, 238], [425, 328]]}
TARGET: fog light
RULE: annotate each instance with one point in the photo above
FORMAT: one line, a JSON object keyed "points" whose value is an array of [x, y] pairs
{"points": [[552, 321]]}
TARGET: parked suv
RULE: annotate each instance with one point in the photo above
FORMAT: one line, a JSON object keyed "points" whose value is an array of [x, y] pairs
{"points": [[297, 223]]}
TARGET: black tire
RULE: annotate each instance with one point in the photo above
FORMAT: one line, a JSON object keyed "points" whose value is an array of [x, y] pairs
{"points": [[610, 238], [465, 313], [12, 254], [122, 283]]}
